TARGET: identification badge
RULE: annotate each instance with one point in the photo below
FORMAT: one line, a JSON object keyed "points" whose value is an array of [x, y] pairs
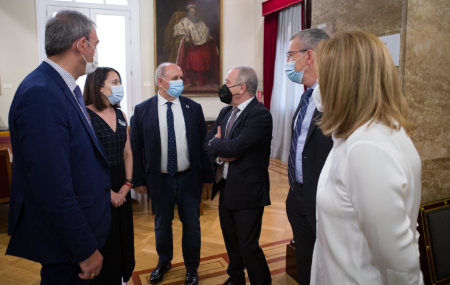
{"points": [[122, 122]]}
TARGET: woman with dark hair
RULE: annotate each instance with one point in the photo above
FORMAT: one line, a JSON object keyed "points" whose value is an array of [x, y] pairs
{"points": [[102, 94]]}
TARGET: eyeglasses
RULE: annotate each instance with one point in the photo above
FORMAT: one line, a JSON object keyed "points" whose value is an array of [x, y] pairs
{"points": [[290, 53]]}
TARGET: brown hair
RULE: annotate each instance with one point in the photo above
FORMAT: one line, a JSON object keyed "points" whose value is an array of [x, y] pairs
{"points": [[359, 83], [94, 82]]}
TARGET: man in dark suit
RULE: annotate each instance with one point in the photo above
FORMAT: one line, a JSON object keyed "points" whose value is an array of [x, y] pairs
{"points": [[60, 205], [166, 139], [239, 147], [308, 152]]}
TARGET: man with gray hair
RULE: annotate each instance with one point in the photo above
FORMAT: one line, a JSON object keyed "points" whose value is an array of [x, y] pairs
{"points": [[308, 152], [239, 148], [60, 208], [169, 162]]}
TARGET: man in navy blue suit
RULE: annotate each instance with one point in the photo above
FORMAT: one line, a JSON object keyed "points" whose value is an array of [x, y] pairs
{"points": [[59, 213], [166, 139]]}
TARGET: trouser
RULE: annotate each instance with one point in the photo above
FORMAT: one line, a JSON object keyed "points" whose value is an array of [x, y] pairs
{"points": [[62, 273], [304, 234], [241, 230], [178, 190]]}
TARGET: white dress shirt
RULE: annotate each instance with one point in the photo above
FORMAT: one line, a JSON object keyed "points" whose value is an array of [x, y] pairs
{"points": [[368, 201], [241, 107], [180, 134]]}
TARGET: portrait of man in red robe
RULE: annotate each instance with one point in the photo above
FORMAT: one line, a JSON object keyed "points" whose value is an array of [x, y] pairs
{"points": [[189, 43]]}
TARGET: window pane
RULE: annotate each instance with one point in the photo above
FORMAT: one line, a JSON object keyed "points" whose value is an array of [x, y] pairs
{"points": [[90, 1], [63, 0], [117, 2], [112, 48]]}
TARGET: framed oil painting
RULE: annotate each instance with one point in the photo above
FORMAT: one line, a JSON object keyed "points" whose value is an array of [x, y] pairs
{"points": [[189, 34]]}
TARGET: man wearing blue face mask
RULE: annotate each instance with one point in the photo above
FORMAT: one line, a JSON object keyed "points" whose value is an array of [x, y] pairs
{"points": [[166, 140], [308, 152]]}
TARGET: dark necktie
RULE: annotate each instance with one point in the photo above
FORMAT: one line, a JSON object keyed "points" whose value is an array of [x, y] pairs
{"points": [[219, 172], [172, 163], [79, 95], [295, 135]]}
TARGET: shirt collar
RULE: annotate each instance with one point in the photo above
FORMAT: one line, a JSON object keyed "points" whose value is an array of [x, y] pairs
{"points": [[66, 76], [314, 86], [243, 105], [162, 101]]}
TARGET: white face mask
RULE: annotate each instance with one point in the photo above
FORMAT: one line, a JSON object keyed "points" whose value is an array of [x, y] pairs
{"points": [[317, 98], [90, 66]]}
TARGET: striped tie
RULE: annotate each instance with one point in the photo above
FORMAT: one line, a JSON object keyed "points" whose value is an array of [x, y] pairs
{"points": [[172, 163], [295, 135]]}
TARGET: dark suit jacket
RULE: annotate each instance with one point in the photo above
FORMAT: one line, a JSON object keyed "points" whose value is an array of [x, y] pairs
{"points": [[315, 153], [250, 138], [60, 208], [146, 145]]}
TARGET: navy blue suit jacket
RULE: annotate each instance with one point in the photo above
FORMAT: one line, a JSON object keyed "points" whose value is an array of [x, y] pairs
{"points": [[60, 209], [249, 141], [146, 145]]}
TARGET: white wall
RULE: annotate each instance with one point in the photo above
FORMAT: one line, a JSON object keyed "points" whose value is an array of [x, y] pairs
{"points": [[18, 48], [242, 43]]}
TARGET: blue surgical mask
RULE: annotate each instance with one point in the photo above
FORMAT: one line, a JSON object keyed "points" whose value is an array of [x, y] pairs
{"points": [[176, 87], [292, 74], [117, 94]]}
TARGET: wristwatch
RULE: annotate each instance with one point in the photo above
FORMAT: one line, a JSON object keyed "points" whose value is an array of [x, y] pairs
{"points": [[211, 141]]}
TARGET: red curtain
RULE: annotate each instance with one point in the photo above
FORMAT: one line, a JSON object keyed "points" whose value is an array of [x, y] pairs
{"points": [[270, 47]]}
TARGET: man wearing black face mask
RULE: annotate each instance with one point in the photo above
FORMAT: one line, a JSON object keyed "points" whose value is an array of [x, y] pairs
{"points": [[239, 148]]}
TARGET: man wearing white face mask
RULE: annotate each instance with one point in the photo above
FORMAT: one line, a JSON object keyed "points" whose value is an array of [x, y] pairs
{"points": [[60, 211], [167, 136], [308, 152]]}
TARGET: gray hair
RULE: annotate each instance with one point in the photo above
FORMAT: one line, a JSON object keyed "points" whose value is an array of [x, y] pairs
{"points": [[308, 39], [161, 71], [65, 28], [247, 76]]}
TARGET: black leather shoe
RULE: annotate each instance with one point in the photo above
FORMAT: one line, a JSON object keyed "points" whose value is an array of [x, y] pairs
{"points": [[158, 274], [231, 282], [191, 277]]}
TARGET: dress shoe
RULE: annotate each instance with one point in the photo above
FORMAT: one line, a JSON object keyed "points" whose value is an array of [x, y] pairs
{"points": [[158, 274], [191, 277], [231, 282]]}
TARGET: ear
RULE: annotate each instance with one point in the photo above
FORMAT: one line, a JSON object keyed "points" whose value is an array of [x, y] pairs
{"points": [[81, 44], [243, 88], [310, 57], [159, 81]]}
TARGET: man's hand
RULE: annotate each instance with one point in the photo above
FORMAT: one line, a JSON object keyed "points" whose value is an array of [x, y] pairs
{"points": [[210, 38], [91, 267], [188, 39], [117, 199], [141, 190], [219, 133], [227, 159]]}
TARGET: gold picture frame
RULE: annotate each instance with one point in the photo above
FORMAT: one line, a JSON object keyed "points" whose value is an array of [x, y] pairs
{"points": [[161, 25]]}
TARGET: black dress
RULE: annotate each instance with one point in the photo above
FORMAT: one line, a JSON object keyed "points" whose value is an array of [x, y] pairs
{"points": [[118, 251]]}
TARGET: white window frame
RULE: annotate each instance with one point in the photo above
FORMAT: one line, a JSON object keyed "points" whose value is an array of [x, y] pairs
{"points": [[135, 45]]}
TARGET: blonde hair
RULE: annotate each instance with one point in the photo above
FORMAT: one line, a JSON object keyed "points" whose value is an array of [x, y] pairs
{"points": [[359, 83]]}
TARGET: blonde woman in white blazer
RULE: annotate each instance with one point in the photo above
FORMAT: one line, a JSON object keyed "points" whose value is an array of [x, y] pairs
{"points": [[368, 195]]}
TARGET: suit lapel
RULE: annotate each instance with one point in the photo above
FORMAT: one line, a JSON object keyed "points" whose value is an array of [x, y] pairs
{"points": [[154, 119], [312, 126], [241, 116], [188, 120], [82, 116], [296, 112], [224, 122]]}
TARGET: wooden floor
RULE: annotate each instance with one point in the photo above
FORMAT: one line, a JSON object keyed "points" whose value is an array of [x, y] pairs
{"points": [[276, 227]]}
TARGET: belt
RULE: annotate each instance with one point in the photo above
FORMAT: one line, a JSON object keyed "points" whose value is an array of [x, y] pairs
{"points": [[178, 173]]}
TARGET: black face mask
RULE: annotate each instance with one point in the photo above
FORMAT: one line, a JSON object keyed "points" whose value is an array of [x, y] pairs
{"points": [[225, 95]]}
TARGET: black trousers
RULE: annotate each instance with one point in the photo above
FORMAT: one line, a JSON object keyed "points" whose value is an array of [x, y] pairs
{"points": [[241, 230], [304, 234], [62, 273]]}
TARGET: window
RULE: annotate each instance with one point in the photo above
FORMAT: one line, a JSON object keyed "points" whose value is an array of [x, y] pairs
{"points": [[114, 20]]}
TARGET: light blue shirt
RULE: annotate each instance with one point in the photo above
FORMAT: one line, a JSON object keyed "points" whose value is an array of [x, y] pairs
{"points": [[302, 138]]}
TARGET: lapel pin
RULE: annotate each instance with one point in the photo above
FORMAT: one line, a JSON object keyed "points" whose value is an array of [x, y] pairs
{"points": [[187, 106]]}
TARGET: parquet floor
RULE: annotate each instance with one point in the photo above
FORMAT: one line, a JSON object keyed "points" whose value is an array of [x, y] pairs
{"points": [[275, 228]]}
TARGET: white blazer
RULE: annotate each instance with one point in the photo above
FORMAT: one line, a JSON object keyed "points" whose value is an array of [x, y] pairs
{"points": [[368, 200]]}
